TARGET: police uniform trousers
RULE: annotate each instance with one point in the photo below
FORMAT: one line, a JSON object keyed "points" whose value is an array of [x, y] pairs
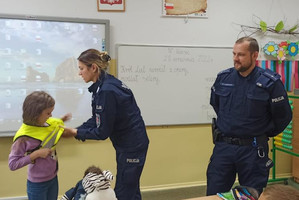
{"points": [[129, 169], [251, 165]]}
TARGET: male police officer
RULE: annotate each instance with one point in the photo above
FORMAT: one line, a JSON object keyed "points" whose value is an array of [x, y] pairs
{"points": [[251, 105]]}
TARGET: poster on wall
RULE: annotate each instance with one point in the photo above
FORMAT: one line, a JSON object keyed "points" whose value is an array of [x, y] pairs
{"points": [[185, 8], [111, 5]]}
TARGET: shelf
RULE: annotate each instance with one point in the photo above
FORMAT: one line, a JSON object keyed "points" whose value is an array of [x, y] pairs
{"points": [[274, 179]]}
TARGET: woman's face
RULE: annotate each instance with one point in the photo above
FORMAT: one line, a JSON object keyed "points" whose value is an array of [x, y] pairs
{"points": [[88, 73]]}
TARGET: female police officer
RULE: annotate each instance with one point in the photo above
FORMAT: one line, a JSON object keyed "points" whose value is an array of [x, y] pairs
{"points": [[251, 105], [116, 115]]}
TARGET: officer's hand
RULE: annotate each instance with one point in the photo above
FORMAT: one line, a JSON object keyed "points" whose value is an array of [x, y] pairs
{"points": [[69, 132]]}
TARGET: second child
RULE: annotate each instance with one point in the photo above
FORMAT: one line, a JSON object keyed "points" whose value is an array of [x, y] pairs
{"points": [[95, 185]]}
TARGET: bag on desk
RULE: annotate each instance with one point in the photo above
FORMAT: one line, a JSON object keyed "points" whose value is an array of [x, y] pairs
{"points": [[240, 192]]}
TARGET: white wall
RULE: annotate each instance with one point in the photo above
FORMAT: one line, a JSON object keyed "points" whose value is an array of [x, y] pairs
{"points": [[142, 22], [187, 147]]}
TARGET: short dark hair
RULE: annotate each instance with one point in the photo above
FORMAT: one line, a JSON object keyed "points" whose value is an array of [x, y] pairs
{"points": [[33, 106], [253, 44], [93, 169]]}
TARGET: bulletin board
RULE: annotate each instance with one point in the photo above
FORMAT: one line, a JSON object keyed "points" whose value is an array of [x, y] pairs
{"points": [[172, 84]]}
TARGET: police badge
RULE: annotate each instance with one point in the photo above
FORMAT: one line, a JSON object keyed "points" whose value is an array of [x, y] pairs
{"points": [[98, 120]]}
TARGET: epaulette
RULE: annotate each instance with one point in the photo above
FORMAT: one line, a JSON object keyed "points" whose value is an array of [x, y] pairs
{"points": [[272, 75], [267, 78], [225, 71]]}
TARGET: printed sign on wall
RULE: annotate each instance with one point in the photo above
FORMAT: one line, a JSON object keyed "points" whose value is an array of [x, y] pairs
{"points": [[185, 8]]}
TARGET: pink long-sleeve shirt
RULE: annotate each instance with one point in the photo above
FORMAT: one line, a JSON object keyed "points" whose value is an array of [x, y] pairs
{"points": [[43, 169]]}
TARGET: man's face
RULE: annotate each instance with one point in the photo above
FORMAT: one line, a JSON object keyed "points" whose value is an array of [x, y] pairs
{"points": [[244, 60]]}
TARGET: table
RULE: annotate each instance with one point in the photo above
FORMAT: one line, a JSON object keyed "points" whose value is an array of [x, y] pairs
{"points": [[212, 197]]}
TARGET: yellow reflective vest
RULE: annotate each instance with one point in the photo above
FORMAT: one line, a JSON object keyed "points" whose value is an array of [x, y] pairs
{"points": [[48, 135]]}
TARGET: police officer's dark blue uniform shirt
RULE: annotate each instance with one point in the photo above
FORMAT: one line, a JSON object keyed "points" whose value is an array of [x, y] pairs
{"points": [[257, 106]]}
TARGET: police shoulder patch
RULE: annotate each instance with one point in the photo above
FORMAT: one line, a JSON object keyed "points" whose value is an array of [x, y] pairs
{"points": [[278, 99]]}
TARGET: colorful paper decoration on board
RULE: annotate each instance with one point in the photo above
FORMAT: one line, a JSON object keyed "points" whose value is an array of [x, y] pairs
{"points": [[293, 49], [282, 50]]}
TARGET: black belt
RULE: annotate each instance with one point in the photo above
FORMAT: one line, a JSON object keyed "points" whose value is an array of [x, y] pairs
{"points": [[243, 141]]}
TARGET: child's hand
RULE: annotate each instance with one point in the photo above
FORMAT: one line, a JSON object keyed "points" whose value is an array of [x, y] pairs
{"points": [[66, 117], [40, 153], [44, 152]]}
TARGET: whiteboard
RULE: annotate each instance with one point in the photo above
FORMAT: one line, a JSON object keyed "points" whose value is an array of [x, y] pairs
{"points": [[39, 53], [172, 84]]}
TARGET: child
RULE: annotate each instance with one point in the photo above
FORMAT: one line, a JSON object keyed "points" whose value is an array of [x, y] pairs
{"points": [[94, 186], [34, 145]]}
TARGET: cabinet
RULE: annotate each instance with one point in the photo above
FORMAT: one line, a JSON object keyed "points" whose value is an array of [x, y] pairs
{"points": [[291, 133]]}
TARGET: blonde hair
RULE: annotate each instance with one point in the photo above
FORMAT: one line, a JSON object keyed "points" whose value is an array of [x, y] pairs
{"points": [[33, 106], [93, 56], [280, 192]]}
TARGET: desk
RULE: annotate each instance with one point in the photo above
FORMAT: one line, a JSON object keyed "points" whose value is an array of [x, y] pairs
{"points": [[212, 197]]}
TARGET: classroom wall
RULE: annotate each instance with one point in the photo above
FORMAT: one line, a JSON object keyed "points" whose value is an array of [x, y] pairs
{"points": [[178, 155]]}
